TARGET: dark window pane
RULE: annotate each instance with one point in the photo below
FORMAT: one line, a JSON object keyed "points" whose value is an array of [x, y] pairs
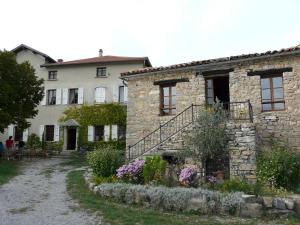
{"points": [[266, 107], [279, 106], [277, 82], [73, 96], [18, 134], [121, 132], [101, 71], [49, 133], [266, 94], [278, 93], [265, 83], [51, 97], [99, 133]]}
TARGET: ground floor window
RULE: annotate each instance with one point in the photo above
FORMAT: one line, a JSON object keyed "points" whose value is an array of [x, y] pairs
{"points": [[49, 133], [99, 133], [121, 132], [18, 134]]}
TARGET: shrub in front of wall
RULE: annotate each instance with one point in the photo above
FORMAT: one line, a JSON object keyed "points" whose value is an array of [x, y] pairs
{"points": [[188, 176], [278, 166], [104, 161], [120, 145], [33, 142], [154, 170], [235, 185]]}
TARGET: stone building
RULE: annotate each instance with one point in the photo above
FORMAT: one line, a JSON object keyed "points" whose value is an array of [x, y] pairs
{"points": [[263, 91]]}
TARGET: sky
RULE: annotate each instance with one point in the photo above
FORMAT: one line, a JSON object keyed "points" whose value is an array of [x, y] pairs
{"points": [[167, 31]]}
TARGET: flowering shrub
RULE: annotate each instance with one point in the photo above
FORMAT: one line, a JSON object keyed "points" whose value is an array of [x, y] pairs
{"points": [[211, 179], [154, 170], [187, 176], [131, 172]]}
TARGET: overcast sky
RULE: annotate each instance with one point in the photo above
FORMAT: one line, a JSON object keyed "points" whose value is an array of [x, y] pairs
{"points": [[167, 31]]}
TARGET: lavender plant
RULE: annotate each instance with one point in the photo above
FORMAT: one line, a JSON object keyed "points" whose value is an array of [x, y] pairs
{"points": [[132, 172]]}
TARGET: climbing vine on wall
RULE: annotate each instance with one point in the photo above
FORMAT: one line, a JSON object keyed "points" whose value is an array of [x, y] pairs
{"points": [[105, 114], [95, 115]]}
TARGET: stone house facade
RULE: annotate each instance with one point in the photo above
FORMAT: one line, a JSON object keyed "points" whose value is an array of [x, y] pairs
{"points": [[268, 81], [72, 84]]}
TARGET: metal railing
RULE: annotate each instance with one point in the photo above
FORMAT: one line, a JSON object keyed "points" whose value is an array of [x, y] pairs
{"points": [[236, 111]]}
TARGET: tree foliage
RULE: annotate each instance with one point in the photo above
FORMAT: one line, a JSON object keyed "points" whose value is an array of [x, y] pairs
{"points": [[209, 137], [20, 91]]}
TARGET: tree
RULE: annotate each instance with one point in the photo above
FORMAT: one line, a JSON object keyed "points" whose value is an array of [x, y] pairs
{"points": [[20, 91]]}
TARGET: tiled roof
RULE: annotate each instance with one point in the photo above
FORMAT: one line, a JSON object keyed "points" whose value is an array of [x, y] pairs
{"points": [[22, 47], [102, 59], [212, 61]]}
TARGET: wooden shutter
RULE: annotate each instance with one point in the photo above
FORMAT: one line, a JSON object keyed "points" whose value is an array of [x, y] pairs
{"points": [[25, 135], [65, 96], [97, 94], [90, 133], [106, 132], [115, 93], [102, 95], [11, 130], [80, 95], [42, 127], [43, 102], [58, 96], [114, 132], [56, 132], [125, 94]]}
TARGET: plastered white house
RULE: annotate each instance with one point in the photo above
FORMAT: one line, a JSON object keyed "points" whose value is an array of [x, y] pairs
{"points": [[73, 83]]}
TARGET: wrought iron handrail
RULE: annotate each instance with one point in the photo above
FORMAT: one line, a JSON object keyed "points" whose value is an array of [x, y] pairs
{"points": [[236, 111]]}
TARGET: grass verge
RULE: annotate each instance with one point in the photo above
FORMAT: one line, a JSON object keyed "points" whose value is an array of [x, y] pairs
{"points": [[8, 169]]}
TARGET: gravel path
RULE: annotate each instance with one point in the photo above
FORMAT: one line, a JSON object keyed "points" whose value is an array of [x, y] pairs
{"points": [[38, 197]]}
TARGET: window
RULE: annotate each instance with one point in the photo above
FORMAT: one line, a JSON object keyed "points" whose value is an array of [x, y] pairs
{"points": [[100, 94], [272, 93], [49, 133], [121, 132], [121, 94], [168, 99], [51, 97], [101, 72], [18, 134], [99, 133], [210, 99], [73, 96], [52, 75]]}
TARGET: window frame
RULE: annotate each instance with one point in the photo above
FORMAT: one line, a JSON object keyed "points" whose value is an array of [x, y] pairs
{"points": [[48, 102], [52, 73], [103, 68], [170, 96], [46, 133], [272, 93], [69, 94]]}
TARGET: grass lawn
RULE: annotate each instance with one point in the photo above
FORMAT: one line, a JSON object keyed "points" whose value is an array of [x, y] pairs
{"points": [[8, 169]]}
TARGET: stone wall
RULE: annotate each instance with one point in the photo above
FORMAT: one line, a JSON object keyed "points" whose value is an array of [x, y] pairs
{"points": [[242, 148]]}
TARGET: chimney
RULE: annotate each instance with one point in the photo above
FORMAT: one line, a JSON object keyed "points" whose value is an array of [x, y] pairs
{"points": [[100, 52], [60, 60]]}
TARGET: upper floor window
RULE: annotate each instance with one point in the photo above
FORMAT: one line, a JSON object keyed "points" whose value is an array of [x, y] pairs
{"points": [[168, 99], [272, 93], [101, 71], [49, 133], [52, 75], [51, 100], [73, 96], [121, 94]]}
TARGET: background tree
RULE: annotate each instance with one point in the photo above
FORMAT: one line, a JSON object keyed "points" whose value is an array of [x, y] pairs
{"points": [[20, 91]]}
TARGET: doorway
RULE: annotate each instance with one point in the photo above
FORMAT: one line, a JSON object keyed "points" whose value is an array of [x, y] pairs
{"points": [[71, 138], [217, 88]]}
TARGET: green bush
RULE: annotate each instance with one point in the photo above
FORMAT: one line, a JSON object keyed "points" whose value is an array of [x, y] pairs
{"points": [[101, 180], [56, 146], [105, 161], [154, 170], [279, 167], [33, 142], [120, 144], [234, 185]]}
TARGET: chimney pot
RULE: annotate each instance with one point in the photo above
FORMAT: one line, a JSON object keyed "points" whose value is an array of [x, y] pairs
{"points": [[100, 52], [60, 60]]}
